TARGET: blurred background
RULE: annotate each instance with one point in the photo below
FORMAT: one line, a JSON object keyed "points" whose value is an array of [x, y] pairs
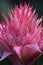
{"points": [[6, 5]]}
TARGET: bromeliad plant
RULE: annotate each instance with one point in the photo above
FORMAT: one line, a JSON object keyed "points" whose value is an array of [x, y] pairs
{"points": [[21, 37]]}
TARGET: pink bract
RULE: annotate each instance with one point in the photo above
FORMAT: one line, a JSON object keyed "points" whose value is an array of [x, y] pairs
{"points": [[21, 37]]}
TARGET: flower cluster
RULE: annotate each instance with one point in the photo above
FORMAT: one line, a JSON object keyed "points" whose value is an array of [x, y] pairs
{"points": [[22, 34]]}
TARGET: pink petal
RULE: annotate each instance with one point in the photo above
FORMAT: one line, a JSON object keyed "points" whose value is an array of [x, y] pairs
{"points": [[17, 50], [6, 54]]}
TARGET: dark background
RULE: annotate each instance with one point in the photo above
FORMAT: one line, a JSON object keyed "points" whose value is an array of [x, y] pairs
{"points": [[6, 5]]}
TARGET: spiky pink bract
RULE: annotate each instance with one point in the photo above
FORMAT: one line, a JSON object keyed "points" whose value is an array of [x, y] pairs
{"points": [[22, 35]]}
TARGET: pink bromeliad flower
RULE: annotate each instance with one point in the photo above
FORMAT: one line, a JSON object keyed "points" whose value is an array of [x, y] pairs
{"points": [[21, 37]]}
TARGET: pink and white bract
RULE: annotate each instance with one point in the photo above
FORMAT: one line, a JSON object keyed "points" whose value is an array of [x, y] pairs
{"points": [[22, 35]]}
